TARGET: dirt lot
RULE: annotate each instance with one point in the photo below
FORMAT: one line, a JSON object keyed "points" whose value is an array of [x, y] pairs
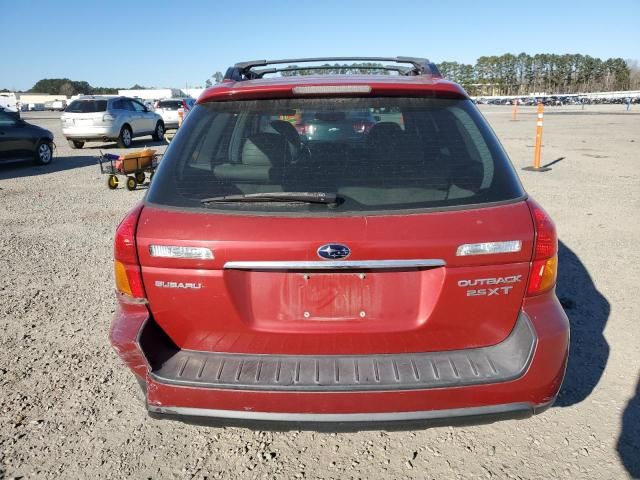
{"points": [[68, 406]]}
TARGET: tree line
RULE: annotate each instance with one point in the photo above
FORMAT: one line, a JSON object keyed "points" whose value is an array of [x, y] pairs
{"points": [[65, 86], [520, 74], [337, 69], [506, 74]]}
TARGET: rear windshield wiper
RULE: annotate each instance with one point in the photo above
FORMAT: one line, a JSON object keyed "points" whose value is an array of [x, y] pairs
{"points": [[297, 197]]}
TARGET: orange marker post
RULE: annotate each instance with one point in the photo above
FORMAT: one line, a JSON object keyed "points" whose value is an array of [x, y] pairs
{"points": [[180, 117], [514, 112], [536, 159]]}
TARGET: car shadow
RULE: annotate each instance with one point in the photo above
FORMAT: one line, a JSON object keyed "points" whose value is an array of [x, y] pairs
{"points": [[26, 168], [588, 312], [629, 440], [136, 143]]}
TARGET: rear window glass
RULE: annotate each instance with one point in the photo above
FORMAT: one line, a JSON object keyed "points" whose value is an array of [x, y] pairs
{"points": [[375, 154], [170, 104], [87, 106]]}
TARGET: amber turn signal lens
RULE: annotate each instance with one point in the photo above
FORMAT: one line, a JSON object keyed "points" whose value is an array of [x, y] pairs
{"points": [[122, 281], [543, 275], [549, 274]]}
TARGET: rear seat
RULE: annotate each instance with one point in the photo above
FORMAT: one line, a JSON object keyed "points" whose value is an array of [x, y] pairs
{"points": [[411, 171], [261, 167]]}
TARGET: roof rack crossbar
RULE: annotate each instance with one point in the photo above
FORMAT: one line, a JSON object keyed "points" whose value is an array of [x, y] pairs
{"points": [[244, 70], [391, 68]]}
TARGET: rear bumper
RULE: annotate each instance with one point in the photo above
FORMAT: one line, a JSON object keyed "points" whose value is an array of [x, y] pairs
{"points": [[347, 421], [88, 132], [526, 391]]}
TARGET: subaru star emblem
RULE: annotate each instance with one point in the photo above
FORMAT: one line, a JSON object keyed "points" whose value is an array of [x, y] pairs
{"points": [[332, 251]]}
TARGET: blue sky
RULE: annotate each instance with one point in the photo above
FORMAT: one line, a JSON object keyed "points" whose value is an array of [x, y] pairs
{"points": [[177, 43]]}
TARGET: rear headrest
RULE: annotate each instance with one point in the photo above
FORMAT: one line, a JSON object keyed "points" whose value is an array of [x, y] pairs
{"points": [[289, 132], [264, 149], [382, 132]]}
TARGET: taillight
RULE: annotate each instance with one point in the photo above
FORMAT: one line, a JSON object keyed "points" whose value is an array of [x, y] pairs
{"points": [[544, 267], [359, 127], [362, 127], [126, 267], [304, 129]]}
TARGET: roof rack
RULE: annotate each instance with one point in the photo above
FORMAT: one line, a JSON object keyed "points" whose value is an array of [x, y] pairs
{"points": [[244, 70]]}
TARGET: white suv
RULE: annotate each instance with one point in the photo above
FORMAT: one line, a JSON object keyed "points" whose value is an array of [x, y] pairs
{"points": [[169, 109], [109, 118]]}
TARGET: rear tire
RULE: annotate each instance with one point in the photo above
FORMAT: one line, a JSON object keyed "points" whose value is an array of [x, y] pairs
{"points": [[44, 152], [75, 144], [131, 183], [125, 138], [140, 177], [158, 133]]}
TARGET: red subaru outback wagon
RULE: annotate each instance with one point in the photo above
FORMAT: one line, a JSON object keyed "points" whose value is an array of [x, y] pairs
{"points": [[338, 274]]}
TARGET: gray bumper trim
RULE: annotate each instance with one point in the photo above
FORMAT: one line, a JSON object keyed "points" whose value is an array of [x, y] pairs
{"points": [[508, 410], [502, 362]]}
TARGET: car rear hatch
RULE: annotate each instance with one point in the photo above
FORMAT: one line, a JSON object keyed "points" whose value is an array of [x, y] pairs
{"points": [[272, 293], [169, 109], [426, 247], [87, 113]]}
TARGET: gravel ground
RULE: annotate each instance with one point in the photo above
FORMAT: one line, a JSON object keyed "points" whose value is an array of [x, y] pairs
{"points": [[69, 408]]}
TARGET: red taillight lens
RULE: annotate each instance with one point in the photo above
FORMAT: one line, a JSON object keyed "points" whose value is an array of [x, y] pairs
{"points": [[362, 127], [544, 267], [546, 239], [127, 269], [359, 127], [301, 128]]}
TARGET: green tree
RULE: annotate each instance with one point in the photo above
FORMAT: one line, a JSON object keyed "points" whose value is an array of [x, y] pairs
{"points": [[510, 74], [67, 89]]}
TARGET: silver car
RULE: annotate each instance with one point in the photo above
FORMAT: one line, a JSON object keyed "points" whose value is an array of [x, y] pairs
{"points": [[109, 118]]}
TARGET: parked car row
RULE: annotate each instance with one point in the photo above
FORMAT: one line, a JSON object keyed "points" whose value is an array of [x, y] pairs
{"points": [[88, 118], [556, 100], [105, 118], [120, 119]]}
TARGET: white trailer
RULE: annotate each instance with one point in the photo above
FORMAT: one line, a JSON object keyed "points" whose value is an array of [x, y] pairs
{"points": [[9, 101]]}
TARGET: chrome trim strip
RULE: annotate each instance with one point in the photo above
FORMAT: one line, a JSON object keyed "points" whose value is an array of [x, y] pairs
{"points": [[345, 417], [335, 264], [181, 252], [489, 248]]}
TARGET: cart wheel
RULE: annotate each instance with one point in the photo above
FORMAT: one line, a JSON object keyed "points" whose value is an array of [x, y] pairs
{"points": [[140, 177], [112, 182], [131, 183], [151, 176]]}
